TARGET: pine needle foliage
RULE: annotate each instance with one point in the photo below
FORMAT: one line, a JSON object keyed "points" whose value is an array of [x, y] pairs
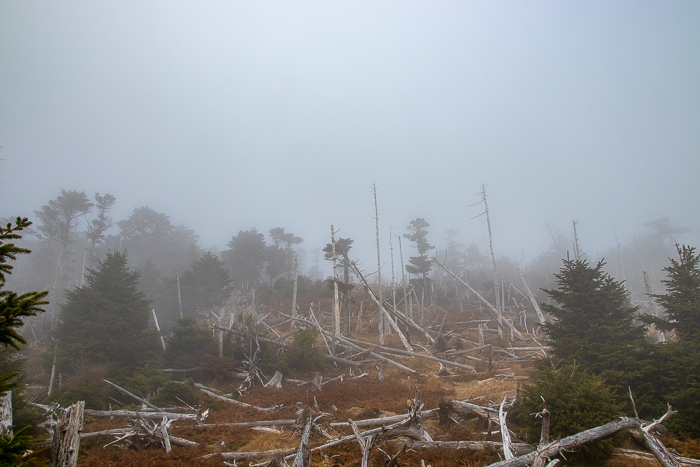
{"points": [[14, 308], [594, 325], [682, 298], [576, 402], [107, 320]]}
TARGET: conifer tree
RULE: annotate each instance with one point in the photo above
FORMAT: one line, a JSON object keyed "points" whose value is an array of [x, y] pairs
{"points": [[107, 320], [594, 324], [205, 286], [14, 308], [682, 298], [677, 374]]}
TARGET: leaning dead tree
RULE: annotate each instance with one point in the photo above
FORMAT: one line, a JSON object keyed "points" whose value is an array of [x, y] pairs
{"points": [[382, 310], [501, 323]]}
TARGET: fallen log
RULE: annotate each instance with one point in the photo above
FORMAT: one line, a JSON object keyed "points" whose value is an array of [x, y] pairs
{"points": [[379, 304], [142, 414], [491, 308], [518, 448], [209, 392], [633, 454], [303, 453], [260, 423], [412, 354], [124, 391], [553, 448], [385, 420]]}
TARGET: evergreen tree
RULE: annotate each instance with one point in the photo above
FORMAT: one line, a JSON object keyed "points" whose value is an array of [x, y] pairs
{"points": [[594, 324], [246, 257], [107, 320], [205, 286], [677, 373], [575, 400], [419, 265], [14, 308], [682, 298]]}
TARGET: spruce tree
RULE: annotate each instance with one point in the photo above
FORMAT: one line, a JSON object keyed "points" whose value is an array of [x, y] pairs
{"points": [[594, 325], [107, 320], [677, 375], [14, 308], [682, 299]]}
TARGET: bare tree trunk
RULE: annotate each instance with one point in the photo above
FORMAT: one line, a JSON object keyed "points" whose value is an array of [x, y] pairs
{"points": [[577, 252], [530, 295], [52, 379], [490, 307], [179, 294], [303, 457], [155, 321], [6, 416], [403, 281], [379, 268], [496, 280], [336, 302], [294, 291], [382, 310], [66, 436]]}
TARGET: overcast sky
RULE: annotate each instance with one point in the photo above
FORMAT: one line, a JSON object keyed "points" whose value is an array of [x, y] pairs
{"points": [[231, 115]]}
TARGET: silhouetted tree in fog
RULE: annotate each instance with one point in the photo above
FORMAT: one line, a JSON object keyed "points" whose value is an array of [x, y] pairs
{"points": [[246, 257]]}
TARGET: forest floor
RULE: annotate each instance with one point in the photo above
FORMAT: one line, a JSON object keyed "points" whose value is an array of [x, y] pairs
{"points": [[382, 392]]}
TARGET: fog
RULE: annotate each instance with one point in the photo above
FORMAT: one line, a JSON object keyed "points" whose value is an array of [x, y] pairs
{"points": [[232, 115]]}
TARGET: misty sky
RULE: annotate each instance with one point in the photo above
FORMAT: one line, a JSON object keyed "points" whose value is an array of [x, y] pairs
{"points": [[231, 115]]}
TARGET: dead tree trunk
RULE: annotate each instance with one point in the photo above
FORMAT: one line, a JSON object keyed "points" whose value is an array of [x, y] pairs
{"points": [[540, 315], [303, 457], [294, 291], [6, 415], [578, 439], [155, 321], [336, 301], [379, 268], [382, 310], [501, 323], [66, 436]]}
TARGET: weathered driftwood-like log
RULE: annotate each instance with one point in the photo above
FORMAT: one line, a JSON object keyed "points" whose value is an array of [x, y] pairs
{"points": [[303, 453], [385, 420], [413, 426], [505, 435], [412, 354], [163, 434], [365, 443], [375, 355], [124, 391], [379, 303], [140, 414], [518, 448], [6, 415], [66, 436], [662, 454], [409, 321], [210, 393], [495, 313], [181, 370], [275, 381], [530, 295], [633, 454], [284, 422], [570, 442], [242, 456]]}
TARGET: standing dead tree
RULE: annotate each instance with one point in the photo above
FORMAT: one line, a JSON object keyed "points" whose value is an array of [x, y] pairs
{"points": [[66, 436]]}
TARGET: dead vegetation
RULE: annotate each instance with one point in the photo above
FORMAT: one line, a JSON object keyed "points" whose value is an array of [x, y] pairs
{"points": [[372, 412]]}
